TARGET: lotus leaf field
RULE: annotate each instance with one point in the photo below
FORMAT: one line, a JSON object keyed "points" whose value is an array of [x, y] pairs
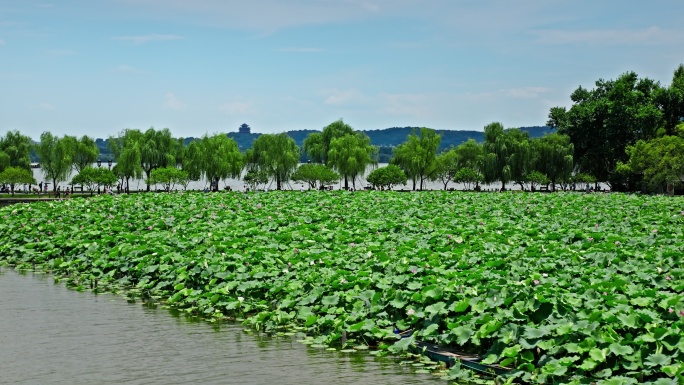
{"points": [[563, 288]]}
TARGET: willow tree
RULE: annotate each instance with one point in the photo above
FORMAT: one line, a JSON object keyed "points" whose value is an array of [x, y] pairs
{"points": [[126, 150], [555, 159], [522, 158], [497, 152], [157, 149], [318, 144], [17, 148], [275, 154], [350, 155], [218, 157], [418, 155], [84, 152], [55, 157], [192, 160]]}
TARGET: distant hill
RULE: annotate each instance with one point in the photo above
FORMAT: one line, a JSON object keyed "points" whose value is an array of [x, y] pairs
{"points": [[388, 137]]}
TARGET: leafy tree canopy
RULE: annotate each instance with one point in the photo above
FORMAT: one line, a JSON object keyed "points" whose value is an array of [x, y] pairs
{"points": [[315, 175], [275, 154], [16, 176], [387, 177], [17, 148], [94, 177]]}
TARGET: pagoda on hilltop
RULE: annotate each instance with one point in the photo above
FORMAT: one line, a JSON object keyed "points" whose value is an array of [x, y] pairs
{"points": [[244, 129]]}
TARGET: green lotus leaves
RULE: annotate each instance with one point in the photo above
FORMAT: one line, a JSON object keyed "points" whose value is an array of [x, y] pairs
{"points": [[565, 287]]}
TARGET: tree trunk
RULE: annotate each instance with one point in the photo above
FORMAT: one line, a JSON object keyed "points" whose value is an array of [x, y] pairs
{"points": [[278, 184], [148, 172], [346, 183]]}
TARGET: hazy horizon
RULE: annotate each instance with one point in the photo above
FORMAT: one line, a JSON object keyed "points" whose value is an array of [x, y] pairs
{"points": [[81, 67]]}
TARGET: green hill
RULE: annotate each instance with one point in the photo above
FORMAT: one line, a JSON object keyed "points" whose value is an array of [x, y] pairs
{"points": [[385, 138]]}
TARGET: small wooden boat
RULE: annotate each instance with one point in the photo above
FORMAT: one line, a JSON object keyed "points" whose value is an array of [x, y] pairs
{"points": [[451, 356]]}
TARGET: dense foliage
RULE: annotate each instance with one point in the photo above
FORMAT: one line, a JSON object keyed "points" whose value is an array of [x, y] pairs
{"points": [[563, 287]]}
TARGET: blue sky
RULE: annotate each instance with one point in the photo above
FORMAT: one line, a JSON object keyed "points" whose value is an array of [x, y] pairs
{"points": [[205, 66]]}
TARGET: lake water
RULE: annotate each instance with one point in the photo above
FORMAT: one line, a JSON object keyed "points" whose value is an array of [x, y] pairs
{"points": [[53, 335], [238, 185]]}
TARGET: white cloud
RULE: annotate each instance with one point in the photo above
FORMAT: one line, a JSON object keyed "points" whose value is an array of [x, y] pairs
{"points": [[47, 106], [236, 108], [171, 102], [142, 39], [300, 49], [651, 35], [337, 97]]}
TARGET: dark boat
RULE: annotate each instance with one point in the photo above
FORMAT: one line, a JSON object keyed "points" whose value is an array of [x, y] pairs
{"points": [[450, 357]]}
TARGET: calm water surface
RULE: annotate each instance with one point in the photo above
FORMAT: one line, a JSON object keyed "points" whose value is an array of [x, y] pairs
{"points": [[53, 335]]}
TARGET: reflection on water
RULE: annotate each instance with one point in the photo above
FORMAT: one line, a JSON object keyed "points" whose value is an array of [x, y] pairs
{"points": [[52, 335]]}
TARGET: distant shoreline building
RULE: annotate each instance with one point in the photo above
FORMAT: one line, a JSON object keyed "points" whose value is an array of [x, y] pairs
{"points": [[244, 129]]}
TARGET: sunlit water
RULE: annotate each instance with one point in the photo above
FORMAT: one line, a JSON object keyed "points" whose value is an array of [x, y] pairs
{"points": [[53, 335]]}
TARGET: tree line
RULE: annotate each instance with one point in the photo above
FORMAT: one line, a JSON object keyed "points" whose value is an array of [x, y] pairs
{"points": [[628, 133]]}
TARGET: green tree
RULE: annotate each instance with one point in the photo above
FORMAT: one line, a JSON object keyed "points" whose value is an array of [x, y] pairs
{"points": [[660, 160], [602, 122], [387, 177], [521, 159], [555, 159], [4, 161], [157, 149], [418, 155], [350, 155], [275, 154], [469, 154], [126, 150], [670, 100], [169, 177], [95, 177], [498, 148], [254, 178], [315, 175], [17, 147], [217, 157], [193, 159], [16, 175], [318, 145], [447, 166], [55, 157], [85, 152], [468, 177], [536, 178]]}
